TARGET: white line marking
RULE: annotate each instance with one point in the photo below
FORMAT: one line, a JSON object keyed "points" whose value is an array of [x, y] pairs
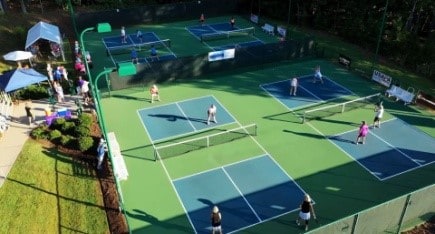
{"points": [[241, 194]]}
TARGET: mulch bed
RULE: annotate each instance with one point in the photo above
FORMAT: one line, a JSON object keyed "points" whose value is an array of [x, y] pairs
{"points": [[425, 228], [115, 217]]}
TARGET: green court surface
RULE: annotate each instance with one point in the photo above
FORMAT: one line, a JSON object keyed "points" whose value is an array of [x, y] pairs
{"points": [[338, 184], [183, 43]]}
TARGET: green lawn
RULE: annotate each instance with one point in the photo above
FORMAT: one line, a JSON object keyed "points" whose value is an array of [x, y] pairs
{"points": [[47, 192]]}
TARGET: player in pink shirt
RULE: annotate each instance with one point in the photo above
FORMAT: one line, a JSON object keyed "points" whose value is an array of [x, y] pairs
{"points": [[362, 133]]}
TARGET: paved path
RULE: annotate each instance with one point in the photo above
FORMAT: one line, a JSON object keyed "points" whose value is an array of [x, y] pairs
{"points": [[13, 140]]}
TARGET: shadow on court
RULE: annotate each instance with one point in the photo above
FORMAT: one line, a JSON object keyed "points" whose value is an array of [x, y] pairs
{"points": [[305, 134], [178, 117], [131, 98], [165, 225]]}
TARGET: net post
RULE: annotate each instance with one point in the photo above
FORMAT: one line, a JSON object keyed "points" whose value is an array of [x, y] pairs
{"points": [[208, 141], [155, 154], [342, 107]]}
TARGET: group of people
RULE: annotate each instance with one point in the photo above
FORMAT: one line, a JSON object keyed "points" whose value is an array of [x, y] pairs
{"points": [[306, 211], [317, 77], [134, 53], [364, 128]]}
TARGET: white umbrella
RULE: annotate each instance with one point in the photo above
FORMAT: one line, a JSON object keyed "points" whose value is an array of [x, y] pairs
{"points": [[18, 55]]}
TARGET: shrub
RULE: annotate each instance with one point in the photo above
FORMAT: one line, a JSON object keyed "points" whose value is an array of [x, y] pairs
{"points": [[58, 123], [32, 92], [53, 135], [85, 143], [85, 120], [82, 131], [68, 127], [40, 133], [65, 140]]}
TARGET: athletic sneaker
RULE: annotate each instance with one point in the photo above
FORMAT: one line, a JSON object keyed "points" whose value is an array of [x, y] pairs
{"points": [[297, 222]]}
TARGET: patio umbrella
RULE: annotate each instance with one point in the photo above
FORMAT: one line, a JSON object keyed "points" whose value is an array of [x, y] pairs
{"points": [[20, 78], [18, 56]]}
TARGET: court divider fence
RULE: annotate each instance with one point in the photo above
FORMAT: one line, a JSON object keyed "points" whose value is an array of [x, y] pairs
{"points": [[389, 217]]}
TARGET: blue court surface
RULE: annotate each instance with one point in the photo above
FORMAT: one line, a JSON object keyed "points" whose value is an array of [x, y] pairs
{"points": [[391, 150], [132, 40], [247, 193], [142, 46], [180, 118], [199, 30], [308, 93], [209, 29]]}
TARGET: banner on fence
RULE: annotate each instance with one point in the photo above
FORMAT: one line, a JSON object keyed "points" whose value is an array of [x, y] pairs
{"points": [[254, 18], [221, 55], [381, 78]]}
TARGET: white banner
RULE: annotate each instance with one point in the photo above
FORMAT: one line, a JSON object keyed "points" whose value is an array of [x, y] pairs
{"points": [[254, 18], [381, 78], [281, 31], [221, 55]]}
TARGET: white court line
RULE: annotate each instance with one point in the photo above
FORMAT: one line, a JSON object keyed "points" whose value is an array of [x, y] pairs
{"points": [[354, 130], [241, 194], [185, 116], [337, 84], [220, 167], [342, 150], [392, 146]]}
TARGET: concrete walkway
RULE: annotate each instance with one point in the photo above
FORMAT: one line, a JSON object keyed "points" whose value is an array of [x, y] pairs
{"points": [[14, 138]]}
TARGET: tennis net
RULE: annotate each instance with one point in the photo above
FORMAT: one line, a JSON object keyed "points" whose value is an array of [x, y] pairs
{"points": [[330, 110], [228, 34], [179, 148], [146, 46]]}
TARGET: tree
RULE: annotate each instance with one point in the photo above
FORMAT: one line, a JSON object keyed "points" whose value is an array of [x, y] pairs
{"points": [[23, 7]]}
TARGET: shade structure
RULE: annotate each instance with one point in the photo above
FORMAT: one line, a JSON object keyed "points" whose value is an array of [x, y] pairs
{"points": [[20, 78], [18, 55], [45, 31]]}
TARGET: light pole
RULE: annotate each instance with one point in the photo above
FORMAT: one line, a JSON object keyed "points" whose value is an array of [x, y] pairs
{"points": [[101, 28], [375, 59], [124, 69]]}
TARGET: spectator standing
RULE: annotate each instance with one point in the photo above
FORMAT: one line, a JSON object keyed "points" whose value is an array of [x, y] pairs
{"points": [[59, 91], [50, 72], [29, 114], [101, 152]]}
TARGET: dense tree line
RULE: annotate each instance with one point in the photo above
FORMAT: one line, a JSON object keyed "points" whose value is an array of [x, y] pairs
{"points": [[407, 37]]}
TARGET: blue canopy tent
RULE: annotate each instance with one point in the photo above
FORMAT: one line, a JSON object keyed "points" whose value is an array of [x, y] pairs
{"points": [[20, 78], [47, 32]]}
